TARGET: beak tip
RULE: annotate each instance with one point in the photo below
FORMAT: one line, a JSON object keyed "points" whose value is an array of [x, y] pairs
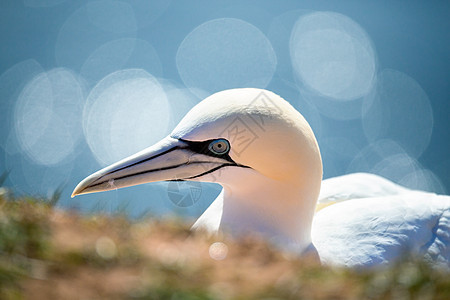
{"points": [[75, 192], [78, 190]]}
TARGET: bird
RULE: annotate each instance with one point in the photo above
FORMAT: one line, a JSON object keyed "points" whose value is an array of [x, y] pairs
{"points": [[264, 154]]}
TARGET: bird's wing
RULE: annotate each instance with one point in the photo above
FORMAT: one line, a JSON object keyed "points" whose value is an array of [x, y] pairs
{"points": [[356, 186], [380, 230]]}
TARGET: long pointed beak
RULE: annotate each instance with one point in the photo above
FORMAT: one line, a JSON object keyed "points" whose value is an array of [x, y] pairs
{"points": [[169, 159]]}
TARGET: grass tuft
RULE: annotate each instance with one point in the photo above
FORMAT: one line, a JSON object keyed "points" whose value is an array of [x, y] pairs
{"points": [[46, 253]]}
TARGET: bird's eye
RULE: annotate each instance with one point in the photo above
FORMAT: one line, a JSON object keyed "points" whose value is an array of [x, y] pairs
{"points": [[219, 147]]}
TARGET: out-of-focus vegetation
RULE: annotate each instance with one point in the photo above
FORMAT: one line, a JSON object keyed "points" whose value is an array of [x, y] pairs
{"points": [[50, 254]]}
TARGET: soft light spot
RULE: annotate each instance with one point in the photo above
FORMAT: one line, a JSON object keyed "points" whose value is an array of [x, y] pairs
{"points": [[226, 53], [424, 180], [12, 82], [395, 167], [106, 248], [371, 155], [332, 55], [47, 114], [218, 251], [400, 111], [125, 112], [388, 159]]}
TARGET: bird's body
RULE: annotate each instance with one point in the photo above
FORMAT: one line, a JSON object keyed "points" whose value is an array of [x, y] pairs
{"points": [[379, 230], [381, 222], [265, 156]]}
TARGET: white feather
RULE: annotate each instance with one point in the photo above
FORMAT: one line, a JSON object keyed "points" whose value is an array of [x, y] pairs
{"points": [[377, 230]]}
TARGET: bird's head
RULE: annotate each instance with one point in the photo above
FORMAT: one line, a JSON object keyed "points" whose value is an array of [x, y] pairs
{"points": [[228, 138]]}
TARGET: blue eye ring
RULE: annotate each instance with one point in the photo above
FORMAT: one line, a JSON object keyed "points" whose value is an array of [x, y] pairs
{"points": [[219, 146]]}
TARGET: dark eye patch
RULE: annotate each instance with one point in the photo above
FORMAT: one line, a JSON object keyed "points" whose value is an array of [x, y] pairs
{"points": [[202, 147]]}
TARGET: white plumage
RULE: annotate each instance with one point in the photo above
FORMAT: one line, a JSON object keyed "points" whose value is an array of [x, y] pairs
{"points": [[376, 221]]}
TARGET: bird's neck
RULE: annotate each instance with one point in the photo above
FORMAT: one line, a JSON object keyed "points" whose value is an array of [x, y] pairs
{"points": [[279, 212]]}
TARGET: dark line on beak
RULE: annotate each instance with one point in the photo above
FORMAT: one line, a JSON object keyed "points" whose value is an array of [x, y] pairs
{"points": [[212, 170], [147, 159], [168, 168], [139, 162], [135, 174]]}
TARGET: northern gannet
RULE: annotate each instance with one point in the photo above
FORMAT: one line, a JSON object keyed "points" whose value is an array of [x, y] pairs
{"points": [[266, 157]]}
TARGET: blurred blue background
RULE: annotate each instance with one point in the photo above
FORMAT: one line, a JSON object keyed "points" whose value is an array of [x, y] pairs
{"points": [[86, 83]]}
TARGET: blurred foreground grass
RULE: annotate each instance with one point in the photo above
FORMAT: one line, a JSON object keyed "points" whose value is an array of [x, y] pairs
{"points": [[46, 253]]}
